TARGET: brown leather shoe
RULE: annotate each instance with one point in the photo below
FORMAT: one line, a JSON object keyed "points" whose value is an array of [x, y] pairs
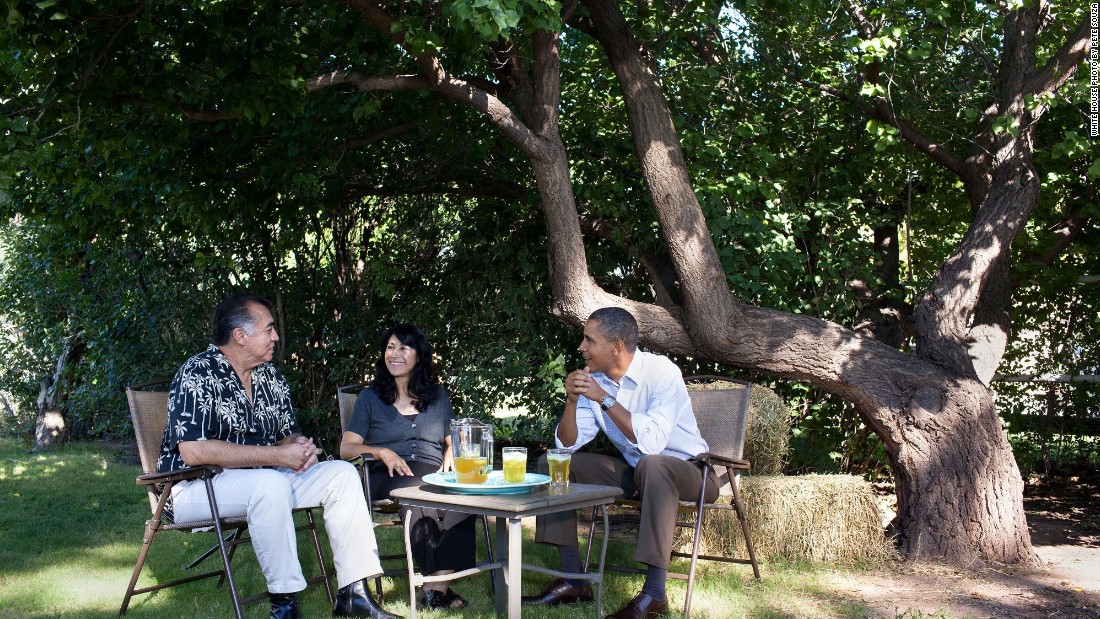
{"points": [[560, 592], [643, 606]]}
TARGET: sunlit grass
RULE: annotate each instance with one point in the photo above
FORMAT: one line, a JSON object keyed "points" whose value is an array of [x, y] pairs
{"points": [[71, 525]]}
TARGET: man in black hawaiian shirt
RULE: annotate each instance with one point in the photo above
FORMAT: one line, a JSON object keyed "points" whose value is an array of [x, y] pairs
{"points": [[230, 406]]}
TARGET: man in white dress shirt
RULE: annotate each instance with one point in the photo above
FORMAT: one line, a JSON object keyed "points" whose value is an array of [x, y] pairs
{"points": [[639, 400]]}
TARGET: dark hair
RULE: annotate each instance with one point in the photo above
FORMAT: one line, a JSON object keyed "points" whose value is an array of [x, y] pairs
{"points": [[235, 312], [615, 323], [423, 381]]}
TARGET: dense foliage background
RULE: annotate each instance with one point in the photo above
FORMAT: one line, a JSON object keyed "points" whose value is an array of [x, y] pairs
{"points": [[159, 156]]}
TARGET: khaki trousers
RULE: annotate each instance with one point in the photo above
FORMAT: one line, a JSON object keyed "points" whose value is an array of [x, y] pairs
{"points": [[660, 482]]}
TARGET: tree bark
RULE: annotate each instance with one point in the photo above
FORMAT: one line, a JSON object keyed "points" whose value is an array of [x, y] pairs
{"points": [[50, 427]]}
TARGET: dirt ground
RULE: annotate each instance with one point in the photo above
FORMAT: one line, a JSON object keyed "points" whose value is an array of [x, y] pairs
{"points": [[1064, 519]]}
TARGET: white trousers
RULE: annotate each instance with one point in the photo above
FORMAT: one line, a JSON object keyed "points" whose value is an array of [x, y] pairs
{"points": [[266, 496]]}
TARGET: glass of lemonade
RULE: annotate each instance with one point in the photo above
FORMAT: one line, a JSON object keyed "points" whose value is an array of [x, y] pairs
{"points": [[558, 460], [515, 464]]}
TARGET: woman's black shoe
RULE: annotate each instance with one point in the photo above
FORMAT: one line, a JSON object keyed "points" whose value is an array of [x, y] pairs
{"points": [[443, 599]]}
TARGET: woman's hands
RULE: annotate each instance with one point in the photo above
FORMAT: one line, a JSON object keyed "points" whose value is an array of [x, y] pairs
{"points": [[448, 458], [395, 464]]}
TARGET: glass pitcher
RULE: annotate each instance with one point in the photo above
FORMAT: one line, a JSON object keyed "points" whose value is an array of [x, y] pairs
{"points": [[472, 447]]}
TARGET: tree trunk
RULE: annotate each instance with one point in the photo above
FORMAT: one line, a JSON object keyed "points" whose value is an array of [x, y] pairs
{"points": [[49, 426], [959, 490]]}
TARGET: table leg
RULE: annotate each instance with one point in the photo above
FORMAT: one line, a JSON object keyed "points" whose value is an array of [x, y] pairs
{"points": [[412, 569], [603, 555], [515, 567], [503, 585]]}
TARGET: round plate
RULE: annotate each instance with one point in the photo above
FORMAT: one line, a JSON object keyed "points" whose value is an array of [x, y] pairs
{"points": [[495, 483]]}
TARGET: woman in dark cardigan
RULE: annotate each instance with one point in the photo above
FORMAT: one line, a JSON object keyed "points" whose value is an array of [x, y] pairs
{"points": [[403, 420]]}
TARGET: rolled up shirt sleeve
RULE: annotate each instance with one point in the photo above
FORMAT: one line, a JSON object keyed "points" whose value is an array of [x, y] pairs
{"points": [[653, 428], [587, 426]]}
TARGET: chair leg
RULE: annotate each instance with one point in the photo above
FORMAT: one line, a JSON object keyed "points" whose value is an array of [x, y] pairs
{"points": [[320, 557], [230, 541], [226, 556], [739, 505], [150, 532], [591, 533], [696, 541], [489, 550]]}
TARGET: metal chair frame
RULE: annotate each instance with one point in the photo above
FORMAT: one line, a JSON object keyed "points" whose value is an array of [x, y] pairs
{"points": [[149, 412], [733, 464]]}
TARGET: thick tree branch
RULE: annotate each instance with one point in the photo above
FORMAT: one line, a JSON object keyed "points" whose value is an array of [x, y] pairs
{"points": [[366, 82], [1061, 65]]}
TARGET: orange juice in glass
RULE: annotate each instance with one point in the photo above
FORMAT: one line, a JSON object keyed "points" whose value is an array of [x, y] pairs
{"points": [[558, 461]]}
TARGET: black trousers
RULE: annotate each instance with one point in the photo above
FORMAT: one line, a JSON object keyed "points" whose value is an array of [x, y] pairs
{"points": [[441, 540]]}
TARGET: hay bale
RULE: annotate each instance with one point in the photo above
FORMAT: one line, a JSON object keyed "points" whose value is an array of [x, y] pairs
{"points": [[768, 433], [819, 518], [768, 436]]}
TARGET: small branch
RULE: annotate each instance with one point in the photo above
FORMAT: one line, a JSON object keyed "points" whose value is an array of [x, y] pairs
{"points": [[352, 144], [884, 112]]}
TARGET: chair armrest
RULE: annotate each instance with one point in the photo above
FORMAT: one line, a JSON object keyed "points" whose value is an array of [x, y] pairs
{"points": [[196, 472], [360, 459], [716, 460]]}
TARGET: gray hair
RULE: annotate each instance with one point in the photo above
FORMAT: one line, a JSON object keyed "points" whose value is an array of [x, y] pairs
{"points": [[235, 312], [615, 323]]}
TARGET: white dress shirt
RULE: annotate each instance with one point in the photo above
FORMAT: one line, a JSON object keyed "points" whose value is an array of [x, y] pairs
{"points": [[653, 391]]}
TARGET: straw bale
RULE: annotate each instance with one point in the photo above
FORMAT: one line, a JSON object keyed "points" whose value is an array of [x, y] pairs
{"points": [[767, 435], [769, 432], [819, 518]]}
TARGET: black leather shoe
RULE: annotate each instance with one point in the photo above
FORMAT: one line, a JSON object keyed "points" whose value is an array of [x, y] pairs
{"points": [[285, 606], [560, 592], [443, 599], [355, 600], [643, 606]]}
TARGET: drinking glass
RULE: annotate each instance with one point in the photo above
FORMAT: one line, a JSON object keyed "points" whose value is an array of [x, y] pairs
{"points": [[558, 460], [515, 464]]}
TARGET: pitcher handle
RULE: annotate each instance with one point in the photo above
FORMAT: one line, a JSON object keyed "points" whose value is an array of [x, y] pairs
{"points": [[487, 449]]}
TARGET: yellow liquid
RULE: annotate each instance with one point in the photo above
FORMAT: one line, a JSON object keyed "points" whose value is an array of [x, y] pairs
{"points": [[515, 470], [559, 470], [470, 470]]}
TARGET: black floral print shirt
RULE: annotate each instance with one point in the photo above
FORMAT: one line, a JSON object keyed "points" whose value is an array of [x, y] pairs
{"points": [[207, 401]]}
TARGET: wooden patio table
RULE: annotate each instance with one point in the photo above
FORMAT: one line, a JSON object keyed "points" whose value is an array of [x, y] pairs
{"points": [[509, 510]]}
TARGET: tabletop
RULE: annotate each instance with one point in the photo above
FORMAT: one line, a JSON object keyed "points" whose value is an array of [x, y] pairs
{"points": [[540, 500]]}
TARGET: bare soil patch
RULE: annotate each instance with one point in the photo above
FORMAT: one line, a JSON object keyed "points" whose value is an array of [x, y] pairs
{"points": [[1064, 518]]}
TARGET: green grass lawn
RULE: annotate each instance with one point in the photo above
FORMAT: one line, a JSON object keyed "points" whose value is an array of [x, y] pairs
{"points": [[71, 522]]}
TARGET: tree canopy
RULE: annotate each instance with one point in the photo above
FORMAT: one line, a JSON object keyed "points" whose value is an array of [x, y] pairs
{"points": [[766, 187]]}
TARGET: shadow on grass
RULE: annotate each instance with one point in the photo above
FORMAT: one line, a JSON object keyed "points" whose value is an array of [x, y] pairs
{"points": [[71, 523]]}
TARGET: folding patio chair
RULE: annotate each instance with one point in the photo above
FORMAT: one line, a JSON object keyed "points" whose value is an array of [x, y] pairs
{"points": [[721, 407], [149, 411]]}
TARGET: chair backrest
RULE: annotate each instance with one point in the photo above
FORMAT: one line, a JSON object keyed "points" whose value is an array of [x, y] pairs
{"points": [[149, 413], [346, 397], [721, 407]]}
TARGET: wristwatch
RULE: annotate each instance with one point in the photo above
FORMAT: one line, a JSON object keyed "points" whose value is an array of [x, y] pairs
{"points": [[607, 403]]}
